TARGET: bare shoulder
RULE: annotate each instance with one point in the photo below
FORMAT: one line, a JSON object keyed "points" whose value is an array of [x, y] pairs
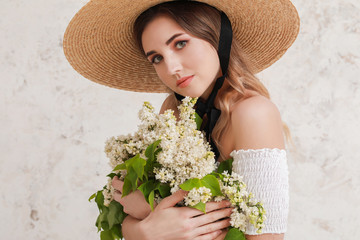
{"points": [[255, 107], [256, 123]]}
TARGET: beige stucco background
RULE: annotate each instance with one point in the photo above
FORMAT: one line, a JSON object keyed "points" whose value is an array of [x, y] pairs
{"points": [[53, 123]]}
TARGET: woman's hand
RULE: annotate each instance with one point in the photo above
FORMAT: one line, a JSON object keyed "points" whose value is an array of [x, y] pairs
{"points": [[222, 235], [134, 204], [169, 222]]}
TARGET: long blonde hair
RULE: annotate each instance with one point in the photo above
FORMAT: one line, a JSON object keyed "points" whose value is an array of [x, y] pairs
{"points": [[204, 22]]}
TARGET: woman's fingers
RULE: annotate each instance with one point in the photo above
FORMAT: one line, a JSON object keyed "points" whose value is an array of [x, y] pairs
{"points": [[134, 204], [212, 227], [209, 236], [117, 196], [222, 235], [211, 206], [171, 200], [211, 217], [117, 184]]}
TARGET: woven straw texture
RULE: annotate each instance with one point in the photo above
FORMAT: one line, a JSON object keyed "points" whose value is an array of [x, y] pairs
{"points": [[99, 42]]}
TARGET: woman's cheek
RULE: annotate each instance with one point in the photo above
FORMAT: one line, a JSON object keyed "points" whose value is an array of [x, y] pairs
{"points": [[160, 72], [164, 79]]}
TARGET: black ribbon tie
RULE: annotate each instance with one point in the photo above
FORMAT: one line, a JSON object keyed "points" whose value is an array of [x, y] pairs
{"points": [[207, 110]]}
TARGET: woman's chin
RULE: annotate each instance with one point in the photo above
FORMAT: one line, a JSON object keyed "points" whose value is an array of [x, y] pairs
{"points": [[192, 95]]}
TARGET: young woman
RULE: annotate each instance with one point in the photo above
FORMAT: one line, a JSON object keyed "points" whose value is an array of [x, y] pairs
{"points": [[208, 50]]}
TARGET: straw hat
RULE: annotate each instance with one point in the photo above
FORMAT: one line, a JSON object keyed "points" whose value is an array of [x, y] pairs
{"points": [[99, 42]]}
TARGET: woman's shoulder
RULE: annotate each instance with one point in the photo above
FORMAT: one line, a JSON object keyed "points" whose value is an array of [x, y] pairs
{"points": [[254, 106], [256, 123]]}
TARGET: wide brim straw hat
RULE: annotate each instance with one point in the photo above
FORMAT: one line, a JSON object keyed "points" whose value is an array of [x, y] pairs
{"points": [[99, 41]]}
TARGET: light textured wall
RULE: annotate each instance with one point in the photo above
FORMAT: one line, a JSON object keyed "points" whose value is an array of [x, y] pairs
{"points": [[54, 123]]}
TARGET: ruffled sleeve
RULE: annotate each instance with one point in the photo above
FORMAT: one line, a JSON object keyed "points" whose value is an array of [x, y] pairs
{"points": [[265, 172]]}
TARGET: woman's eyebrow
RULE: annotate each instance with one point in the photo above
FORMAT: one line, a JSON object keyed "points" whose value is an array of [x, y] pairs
{"points": [[173, 37], [167, 43], [150, 53]]}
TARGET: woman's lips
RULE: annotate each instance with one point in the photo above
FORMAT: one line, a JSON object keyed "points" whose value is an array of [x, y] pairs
{"points": [[184, 82]]}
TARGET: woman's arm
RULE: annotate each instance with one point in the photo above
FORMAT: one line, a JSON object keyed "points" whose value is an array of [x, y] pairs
{"points": [[257, 125], [131, 229], [170, 223]]}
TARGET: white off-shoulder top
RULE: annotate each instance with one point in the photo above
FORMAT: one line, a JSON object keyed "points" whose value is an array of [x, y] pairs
{"points": [[265, 172]]}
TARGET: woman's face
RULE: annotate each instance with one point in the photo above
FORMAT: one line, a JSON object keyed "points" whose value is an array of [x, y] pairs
{"points": [[186, 64]]}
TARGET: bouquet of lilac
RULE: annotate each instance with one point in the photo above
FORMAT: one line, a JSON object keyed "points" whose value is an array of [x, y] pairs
{"points": [[165, 155]]}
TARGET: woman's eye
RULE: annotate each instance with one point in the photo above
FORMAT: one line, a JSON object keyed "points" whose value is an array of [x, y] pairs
{"points": [[180, 44], [156, 59]]}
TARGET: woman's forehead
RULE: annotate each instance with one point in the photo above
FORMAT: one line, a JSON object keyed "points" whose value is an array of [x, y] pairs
{"points": [[159, 31]]}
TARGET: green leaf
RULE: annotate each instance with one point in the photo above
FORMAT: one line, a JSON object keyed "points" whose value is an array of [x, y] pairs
{"points": [[164, 190], [98, 223], [157, 165], [225, 166], [138, 164], [132, 176], [120, 167], [212, 183], [122, 215], [234, 234], [217, 175], [150, 150], [127, 187], [102, 221], [106, 235], [200, 206], [130, 182], [190, 184], [113, 216], [111, 175], [99, 199], [92, 196], [116, 231], [198, 121], [159, 149], [151, 200], [147, 187], [145, 176]]}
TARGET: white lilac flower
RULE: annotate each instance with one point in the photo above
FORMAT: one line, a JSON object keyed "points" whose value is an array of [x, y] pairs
{"points": [[108, 193], [185, 155], [246, 208], [219, 198], [196, 195], [238, 220], [185, 152]]}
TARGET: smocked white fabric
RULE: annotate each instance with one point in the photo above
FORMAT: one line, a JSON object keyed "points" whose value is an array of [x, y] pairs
{"points": [[265, 173]]}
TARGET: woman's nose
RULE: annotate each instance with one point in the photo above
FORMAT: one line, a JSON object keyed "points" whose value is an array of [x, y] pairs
{"points": [[174, 65]]}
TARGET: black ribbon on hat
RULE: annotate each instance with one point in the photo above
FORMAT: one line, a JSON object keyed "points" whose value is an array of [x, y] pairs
{"points": [[207, 110]]}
